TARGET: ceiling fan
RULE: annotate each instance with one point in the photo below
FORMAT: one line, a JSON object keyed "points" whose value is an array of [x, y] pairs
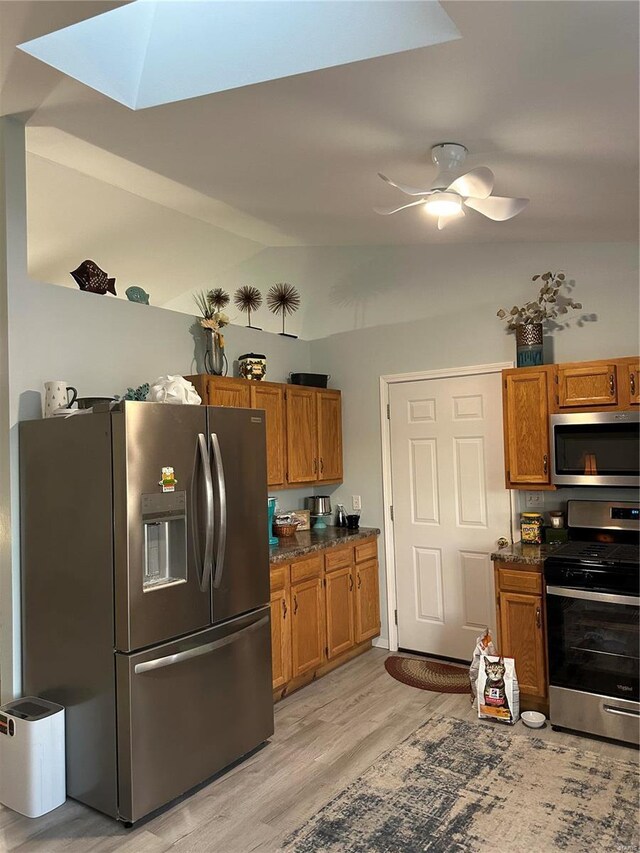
{"points": [[447, 194]]}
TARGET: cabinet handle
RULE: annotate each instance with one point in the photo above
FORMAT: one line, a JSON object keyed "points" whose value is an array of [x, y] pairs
{"points": [[315, 466], [295, 604], [612, 385], [632, 380], [545, 463], [350, 583], [284, 609], [321, 464], [538, 618], [359, 581]]}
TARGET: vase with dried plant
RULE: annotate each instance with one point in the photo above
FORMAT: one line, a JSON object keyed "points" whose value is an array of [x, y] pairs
{"points": [[213, 320], [247, 299], [283, 299], [527, 321]]}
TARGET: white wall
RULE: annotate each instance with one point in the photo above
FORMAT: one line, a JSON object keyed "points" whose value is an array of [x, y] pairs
{"points": [[461, 330], [99, 344]]}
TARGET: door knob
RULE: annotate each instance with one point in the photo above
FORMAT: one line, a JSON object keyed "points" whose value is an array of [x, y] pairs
{"points": [[502, 543]]}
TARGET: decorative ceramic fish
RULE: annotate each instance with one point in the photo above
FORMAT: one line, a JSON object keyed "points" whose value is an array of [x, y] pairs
{"points": [[91, 278], [137, 294]]}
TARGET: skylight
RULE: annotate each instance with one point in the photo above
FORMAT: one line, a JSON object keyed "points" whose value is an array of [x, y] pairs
{"points": [[153, 52]]}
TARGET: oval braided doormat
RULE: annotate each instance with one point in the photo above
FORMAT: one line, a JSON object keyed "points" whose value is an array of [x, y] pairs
{"points": [[429, 674]]}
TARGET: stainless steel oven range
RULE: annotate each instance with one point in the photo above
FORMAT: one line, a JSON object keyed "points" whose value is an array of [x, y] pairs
{"points": [[592, 621]]}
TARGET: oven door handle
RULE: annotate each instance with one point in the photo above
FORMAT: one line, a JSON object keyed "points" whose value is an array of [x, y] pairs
{"points": [[587, 595], [611, 709]]}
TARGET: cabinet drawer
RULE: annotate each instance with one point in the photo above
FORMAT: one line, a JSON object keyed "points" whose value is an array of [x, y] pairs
{"points": [[279, 575], [366, 551], [337, 558], [520, 581], [309, 568]]}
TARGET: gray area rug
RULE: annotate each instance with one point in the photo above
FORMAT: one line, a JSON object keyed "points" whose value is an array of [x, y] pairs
{"points": [[459, 786]]}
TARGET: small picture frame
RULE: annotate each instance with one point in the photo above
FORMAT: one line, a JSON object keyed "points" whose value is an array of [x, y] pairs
{"points": [[303, 516]]}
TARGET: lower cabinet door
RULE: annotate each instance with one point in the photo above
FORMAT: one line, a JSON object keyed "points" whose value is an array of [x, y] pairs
{"points": [[339, 606], [522, 638], [307, 626], [367, 609], [280, 638]]}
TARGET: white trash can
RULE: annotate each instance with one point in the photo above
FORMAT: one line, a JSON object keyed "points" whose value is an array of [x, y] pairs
{"points": [[32, 758]]}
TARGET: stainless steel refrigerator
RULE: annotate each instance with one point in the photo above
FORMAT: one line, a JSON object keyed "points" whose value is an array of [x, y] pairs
{"points": [[145, 584]]}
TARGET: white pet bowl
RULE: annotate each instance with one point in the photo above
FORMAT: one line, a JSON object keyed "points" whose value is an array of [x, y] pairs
{"points": [[533, 719]]}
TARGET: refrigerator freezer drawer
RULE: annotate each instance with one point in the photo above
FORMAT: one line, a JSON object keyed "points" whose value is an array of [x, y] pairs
{"points": [[189, 708]]}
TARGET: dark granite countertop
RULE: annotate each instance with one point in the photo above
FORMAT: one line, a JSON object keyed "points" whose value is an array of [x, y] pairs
{"points": [[308, 541], [522, 552]]}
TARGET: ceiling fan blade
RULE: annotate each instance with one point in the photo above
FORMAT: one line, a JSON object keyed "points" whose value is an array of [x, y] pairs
{"points": [[443, 221], [387, 211], [477, 183], [403, 187], [496, 207]]}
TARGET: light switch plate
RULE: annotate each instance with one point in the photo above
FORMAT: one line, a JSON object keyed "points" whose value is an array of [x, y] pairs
{"points": [[534, 500], [356, 502]]}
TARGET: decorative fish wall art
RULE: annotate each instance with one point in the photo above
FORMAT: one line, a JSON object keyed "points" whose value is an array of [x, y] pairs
{"points": [[88, 276]]}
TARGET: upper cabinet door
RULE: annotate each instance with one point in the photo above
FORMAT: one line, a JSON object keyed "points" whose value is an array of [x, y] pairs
{"points": [[271, 399], [222, 391], [526, 423], [302, 452], [582, 386], [329, 435], [633, 378]]}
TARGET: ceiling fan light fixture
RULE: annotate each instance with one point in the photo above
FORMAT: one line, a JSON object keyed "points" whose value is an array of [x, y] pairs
{"points": [[443, 204]]}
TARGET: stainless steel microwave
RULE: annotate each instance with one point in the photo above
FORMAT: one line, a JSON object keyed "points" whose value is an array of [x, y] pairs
{"points": [[595, 449]]}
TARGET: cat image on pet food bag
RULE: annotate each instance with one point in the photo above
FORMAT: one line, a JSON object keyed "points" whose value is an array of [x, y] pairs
{"points": [[498, 692]]}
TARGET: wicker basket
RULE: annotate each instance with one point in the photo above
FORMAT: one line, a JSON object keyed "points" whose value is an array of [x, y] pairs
{"points": [[284, 531]]}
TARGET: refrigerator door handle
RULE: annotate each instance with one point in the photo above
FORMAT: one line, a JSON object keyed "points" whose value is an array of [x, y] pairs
{"points": [[205, 564], [222, 510], [207, 648]]}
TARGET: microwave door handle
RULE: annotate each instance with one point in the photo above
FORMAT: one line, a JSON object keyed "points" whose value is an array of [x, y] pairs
{"points": [[222, 512], [203, 564]]}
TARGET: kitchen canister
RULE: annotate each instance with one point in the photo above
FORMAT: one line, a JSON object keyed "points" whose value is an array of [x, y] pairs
{"points": [[531, 528]]}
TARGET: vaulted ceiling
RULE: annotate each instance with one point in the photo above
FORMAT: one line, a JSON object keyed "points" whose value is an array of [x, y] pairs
{"points": [[544, 93]]}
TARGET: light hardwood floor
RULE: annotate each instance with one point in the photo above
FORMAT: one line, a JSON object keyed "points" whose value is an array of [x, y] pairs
{"points": [[326, 735]]}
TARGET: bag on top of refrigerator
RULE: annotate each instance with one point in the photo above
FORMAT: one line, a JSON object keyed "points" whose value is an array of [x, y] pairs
{"points": [[498, 691]]}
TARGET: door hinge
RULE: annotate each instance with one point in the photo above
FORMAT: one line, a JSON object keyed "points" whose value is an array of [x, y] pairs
{"points": [[388, 412], [555, 378], [395, 616], [391, 511], [505, 383]]}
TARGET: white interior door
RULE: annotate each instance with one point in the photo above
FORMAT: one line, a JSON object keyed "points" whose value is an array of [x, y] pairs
{"points": [[450, 507]]}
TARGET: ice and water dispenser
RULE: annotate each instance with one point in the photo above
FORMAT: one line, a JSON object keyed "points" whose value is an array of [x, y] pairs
{"points": [[164, 521]]}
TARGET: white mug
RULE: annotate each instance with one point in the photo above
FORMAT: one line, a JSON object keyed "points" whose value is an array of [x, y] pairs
{"points": [[56, 396]]}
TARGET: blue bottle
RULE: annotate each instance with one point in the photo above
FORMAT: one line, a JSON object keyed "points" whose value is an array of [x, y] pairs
{"points": [[273, 540]]}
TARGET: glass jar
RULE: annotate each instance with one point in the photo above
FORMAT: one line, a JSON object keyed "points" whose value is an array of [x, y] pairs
{"points": [[531, 528]]}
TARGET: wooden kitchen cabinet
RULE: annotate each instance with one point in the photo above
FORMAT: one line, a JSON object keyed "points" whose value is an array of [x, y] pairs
{"points": [[631, 375], [339, 586], [280, 637], [331, 600], [303, 425], [329, 420], [302, 441], [271, 398], [367, 601], [521, 627], [526, 426], [583, 385], [307, 626]]}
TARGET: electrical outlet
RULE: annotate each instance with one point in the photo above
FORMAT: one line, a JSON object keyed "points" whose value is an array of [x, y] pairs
{"points": [[534, 500], [356, 503]]}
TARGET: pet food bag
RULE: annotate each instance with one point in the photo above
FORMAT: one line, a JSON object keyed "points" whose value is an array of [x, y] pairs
{"points": [[484, 646], [498, 692]]}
